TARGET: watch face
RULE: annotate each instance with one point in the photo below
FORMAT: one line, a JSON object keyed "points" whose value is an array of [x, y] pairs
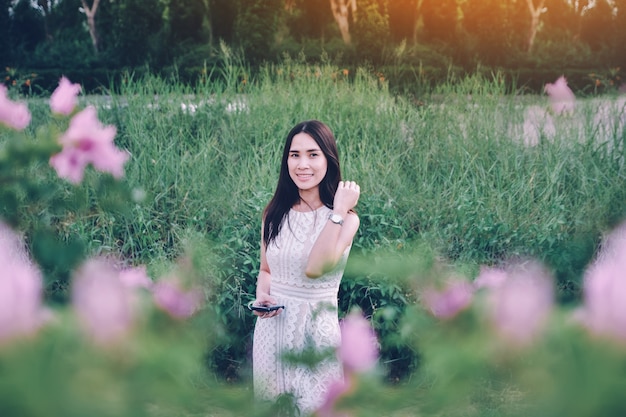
{"points": [[335, 218]]}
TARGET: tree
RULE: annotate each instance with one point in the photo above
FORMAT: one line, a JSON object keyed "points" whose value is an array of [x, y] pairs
{"points": [[596, 25], [535, 13], [344, 12], [90, 13], [68, 44], [440, 19], [494, 25], [185, 20], [45, 7], [518, 25], [308, 18], [66, 20], [371, 29], [579, 7], [403, 16], [316, 15], [5, 34], [619, 33], [255, 27], [134, 32], [28, 27], [561, 16], [222, 15]]}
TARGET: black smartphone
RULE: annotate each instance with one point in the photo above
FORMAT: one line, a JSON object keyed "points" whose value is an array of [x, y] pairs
{"points": [[264, 309]]}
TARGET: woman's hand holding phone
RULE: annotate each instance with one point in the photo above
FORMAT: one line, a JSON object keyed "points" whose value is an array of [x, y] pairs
{"points": [[265, 309]]}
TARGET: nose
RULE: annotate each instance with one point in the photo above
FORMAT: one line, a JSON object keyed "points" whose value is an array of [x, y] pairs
{"points": [[303, 163]]}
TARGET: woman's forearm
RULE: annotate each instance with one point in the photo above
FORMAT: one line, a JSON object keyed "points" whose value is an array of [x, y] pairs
{"points": [[331, 244], [263, 284]]}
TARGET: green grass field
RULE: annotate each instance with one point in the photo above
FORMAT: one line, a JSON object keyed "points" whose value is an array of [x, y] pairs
{"points": [[449, 180], [452, 169]]}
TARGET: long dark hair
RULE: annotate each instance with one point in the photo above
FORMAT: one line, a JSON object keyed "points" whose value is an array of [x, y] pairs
{"points": [[286, 194]]}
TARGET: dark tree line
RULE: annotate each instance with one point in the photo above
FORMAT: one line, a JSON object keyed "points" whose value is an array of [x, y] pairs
{"points": [[114, 34]]}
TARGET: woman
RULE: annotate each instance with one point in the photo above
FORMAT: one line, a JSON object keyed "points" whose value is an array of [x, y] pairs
{"points": [[307, 233]]}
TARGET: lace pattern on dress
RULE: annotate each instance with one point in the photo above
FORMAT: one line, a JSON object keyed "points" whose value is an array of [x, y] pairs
{"points": [[308, 321]]}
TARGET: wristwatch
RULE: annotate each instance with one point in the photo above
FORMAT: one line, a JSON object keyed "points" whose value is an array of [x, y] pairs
{"points": [[335, 218]]}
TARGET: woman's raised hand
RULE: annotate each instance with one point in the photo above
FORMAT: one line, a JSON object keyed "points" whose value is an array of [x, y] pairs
{"points": [[347, 196]]}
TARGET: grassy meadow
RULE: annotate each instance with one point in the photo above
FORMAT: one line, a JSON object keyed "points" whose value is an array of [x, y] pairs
{"points": [[449, 182], [452, 169]]}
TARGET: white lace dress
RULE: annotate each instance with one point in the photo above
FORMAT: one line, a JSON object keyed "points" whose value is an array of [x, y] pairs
{"points": [[309, 320]]}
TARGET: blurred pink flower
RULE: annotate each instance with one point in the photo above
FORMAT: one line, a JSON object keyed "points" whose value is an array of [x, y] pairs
{"points": [[358, 353], [13, 114], [359, 346], [519, 306], [604, 308], [613, 244], [179, 303], [336, 390], [64, 98], [104, 305], [87, 141], [21, 289], [446, 303], [490, 278], [136, 277], [561, 96]]}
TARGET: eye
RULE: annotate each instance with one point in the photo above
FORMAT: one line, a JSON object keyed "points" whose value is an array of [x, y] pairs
{"points": [[314, 154], [293, 155]]}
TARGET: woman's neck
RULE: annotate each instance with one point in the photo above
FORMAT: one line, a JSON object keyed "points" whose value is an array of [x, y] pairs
{"points": [[308, 202]]}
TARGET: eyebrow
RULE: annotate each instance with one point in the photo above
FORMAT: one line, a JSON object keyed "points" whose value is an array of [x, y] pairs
{"points": [[308, 150]]}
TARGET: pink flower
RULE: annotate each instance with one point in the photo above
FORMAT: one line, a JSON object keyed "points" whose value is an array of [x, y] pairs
{"points": [[455, 297], [87, 141], [336, 390], [64, 99], [358, 352], [136, 278], [490, 278], [170, 297], [105, 306], [15, 115], [21, 289], [519, 307], [604, 308], [359, 347], [561, 96]]}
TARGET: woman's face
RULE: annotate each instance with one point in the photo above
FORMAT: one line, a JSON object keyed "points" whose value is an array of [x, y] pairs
{"points": [[306, 162]]}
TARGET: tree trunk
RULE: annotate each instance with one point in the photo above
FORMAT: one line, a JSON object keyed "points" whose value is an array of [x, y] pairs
{"points": [[535, 14], [91, 21], [45, 6], [342, 11]]}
